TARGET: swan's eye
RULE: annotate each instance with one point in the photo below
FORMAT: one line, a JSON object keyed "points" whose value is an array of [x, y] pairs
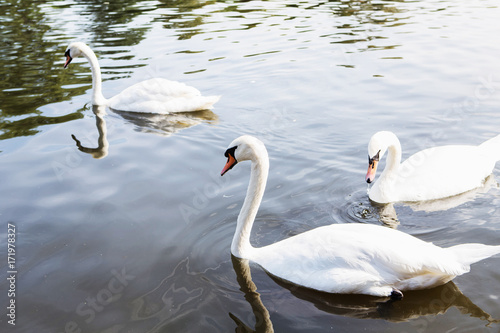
{"points": [[230, 151], [374, 158]]}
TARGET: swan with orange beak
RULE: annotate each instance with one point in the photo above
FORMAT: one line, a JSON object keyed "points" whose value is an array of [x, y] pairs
{"points": [[155, 95], [372, 167], [429, 174]]}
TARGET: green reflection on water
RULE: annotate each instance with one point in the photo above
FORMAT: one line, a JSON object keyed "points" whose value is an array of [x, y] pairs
{"points": [[27, 69], [35, 34], [32, 48]]}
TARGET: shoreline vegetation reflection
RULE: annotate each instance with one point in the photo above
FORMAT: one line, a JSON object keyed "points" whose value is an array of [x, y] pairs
{"points": [[34, 38]]}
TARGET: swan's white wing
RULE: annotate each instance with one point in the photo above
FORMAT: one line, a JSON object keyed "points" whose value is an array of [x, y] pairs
{"points": [[442, 172], [161, 96], [168, 105], [435, 173], [162, 87], [359, 258]]}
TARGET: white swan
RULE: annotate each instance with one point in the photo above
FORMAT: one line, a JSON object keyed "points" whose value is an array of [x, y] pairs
{"points": [[432, 173], [150, 96], [344, 258]]}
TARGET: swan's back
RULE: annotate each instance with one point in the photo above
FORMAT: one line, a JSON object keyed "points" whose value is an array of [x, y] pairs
{"points": [[360, 258], [162, 96], [492, 147], [436, 173]]}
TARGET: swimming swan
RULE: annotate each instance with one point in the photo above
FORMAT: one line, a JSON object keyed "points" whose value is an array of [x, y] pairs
{"points": [[351, 258], [432, 173], [150, 96]]}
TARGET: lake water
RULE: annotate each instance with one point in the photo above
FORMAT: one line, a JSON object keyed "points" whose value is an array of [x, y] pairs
{"points": [[131, 231]]}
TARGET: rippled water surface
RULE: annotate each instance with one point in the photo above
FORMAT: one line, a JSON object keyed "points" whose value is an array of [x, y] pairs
{"points": [[128, 227]]}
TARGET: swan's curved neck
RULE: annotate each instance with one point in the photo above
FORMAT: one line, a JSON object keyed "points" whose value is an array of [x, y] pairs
{"points": [[241, 246], [393, 158], [97, 97]]}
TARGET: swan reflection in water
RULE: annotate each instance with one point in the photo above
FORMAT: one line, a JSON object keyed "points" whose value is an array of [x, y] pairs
{"points": [[102, 142], [167, 124], [416, 304], [164, 125], [262, 319]]}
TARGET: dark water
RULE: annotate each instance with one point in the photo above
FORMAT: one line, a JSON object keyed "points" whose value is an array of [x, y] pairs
{"points": [[129, 230]]}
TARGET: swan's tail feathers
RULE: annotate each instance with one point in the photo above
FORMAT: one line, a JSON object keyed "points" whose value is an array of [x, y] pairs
{"points": [[492, 146], [209, 102], [468, 254]]}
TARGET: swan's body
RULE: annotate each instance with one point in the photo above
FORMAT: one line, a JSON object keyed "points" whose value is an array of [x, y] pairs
{"points": [[344, 258], [155, 95], [432, 173]]}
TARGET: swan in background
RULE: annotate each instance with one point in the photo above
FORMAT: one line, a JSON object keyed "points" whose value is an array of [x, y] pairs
{"points": [[432, 173], [155, 95], [350, 258]]}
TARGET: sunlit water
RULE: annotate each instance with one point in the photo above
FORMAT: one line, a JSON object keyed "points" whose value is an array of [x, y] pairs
{"points": [[130, 230]]}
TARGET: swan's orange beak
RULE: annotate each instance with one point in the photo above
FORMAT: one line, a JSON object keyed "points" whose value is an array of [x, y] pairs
{"points": [[68, 59], [372, 169], [231, 162]]}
